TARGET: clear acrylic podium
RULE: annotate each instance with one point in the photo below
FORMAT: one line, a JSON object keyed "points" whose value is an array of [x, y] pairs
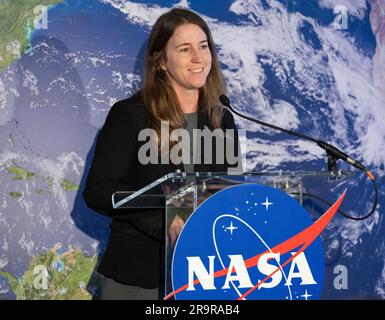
{"points": [[180, 193]]}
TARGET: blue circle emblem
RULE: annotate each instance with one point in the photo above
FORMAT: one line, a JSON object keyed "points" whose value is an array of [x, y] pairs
{"points": [[237, 245]]}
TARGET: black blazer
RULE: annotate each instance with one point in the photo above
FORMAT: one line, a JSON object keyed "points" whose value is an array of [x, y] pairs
{"points": [[135, 249]]}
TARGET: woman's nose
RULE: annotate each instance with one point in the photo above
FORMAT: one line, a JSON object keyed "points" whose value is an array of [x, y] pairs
{"points": [[196, 56]]}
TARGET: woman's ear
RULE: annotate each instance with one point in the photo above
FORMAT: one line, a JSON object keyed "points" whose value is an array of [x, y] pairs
{"points": [[162, 65]]}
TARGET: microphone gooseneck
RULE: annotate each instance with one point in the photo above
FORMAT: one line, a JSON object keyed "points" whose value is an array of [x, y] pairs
{"points": [[332, 152], [330, 149]]}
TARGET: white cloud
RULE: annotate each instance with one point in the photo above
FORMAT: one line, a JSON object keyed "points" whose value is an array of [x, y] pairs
{"points": [[355, 7], [27, 243], [30, 82], [3, 262], [137, 13], [3, 98], [7, 157], [14, 48], [267, 155], [5, 110]]}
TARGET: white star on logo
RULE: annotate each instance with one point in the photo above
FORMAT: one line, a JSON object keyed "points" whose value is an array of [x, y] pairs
{"points": [[231, 228], [267, 203], [306, 295]]}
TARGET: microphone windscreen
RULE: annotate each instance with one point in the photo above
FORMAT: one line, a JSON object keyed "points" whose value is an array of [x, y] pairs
{"points": [[224, 100]]}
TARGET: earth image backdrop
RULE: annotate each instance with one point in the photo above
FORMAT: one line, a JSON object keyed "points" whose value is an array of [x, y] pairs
{"points": [[317, 67]]}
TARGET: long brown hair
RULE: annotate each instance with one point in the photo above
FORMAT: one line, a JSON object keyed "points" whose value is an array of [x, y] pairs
{"points": [[158, 94]]}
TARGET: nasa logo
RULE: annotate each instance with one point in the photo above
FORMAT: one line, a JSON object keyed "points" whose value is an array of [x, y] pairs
{"points": [[250, 242]]}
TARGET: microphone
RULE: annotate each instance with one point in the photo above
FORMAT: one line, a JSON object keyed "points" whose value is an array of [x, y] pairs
{"points": [[332, 152]]}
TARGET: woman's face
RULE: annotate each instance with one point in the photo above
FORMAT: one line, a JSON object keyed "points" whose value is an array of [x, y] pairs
{"points": [[188, 58]]}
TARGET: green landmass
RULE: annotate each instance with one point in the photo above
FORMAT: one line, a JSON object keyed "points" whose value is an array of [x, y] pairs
{"points": [[49, 182], [68, 185], [15, 195], [51, 276], [41, 192], [16, 24], [20, 173]]}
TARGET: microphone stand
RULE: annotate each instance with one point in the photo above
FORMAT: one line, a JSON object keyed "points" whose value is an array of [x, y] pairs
{"points": [[333, 154]]}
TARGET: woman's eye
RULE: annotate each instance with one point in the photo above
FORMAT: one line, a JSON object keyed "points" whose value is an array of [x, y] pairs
{"points": [[184, 50], [204, 46]]}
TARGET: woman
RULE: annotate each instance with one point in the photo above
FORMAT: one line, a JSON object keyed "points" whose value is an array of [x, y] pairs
{"points": [[182, 84]]}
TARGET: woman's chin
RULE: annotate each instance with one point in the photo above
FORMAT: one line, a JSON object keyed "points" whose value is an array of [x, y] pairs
{"points": [[198, 84]]}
